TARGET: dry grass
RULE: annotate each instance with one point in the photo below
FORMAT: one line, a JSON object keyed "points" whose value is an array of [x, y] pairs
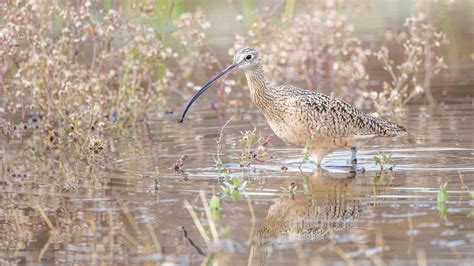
{"points": [[74, 71], [422, 46]]}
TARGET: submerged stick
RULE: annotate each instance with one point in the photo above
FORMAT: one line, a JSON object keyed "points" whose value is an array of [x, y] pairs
{"points": [[45, 247], [221, 135], [45, 218], [153, 237], [198, 224], [254, 218], [421, 257], [132, 221], [207, 210], [198, 249]]}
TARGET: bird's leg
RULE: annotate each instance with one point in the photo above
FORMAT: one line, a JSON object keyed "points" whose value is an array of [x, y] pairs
{"points": [[353, 155], [318, 156], [353, 171], [318, 159]]}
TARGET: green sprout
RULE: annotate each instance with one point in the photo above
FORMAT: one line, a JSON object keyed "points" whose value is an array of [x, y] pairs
{"points": [[219, 163], [215, 206], [382, 160], [233, 186], [307, 151], [443, 192], [442, 197], [291, 189]]}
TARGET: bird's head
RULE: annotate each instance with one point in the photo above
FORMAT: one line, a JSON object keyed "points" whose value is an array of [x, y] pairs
{"points": [[246, 59]]}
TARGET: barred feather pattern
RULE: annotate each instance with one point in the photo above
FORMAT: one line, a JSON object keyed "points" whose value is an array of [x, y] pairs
{"points": [[336, 118], [314, 112]]}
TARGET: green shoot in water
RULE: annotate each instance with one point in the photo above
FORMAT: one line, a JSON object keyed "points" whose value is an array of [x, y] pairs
{"points": [[307, 151], [382, 160], [233, 186], [219, 164], [443, 192], [442, 197], [291, 189], [215, 206]]}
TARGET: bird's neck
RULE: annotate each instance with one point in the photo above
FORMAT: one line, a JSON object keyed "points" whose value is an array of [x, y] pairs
{"points": [[260, 92]]}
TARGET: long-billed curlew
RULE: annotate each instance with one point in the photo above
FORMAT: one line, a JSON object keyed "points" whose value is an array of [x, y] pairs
{"points": [[298, 116]]}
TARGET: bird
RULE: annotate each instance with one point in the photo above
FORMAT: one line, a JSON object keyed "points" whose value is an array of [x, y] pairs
{"points": [[305, 118]]}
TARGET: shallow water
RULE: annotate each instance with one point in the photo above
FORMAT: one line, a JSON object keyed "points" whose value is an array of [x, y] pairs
{"points": [[333, 217]]}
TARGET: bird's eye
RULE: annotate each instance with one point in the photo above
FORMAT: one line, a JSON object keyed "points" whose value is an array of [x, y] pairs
{"points": [[248, 57]]}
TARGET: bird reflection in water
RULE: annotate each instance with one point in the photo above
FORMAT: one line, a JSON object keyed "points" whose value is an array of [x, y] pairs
{"points": [[332, 203]]}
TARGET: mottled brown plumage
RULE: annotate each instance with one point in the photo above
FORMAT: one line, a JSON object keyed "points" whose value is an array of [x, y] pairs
{"points": [[297, 115]]}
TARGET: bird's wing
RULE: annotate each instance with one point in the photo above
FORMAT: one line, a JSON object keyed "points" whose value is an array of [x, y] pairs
{"points": [[334, 117]]}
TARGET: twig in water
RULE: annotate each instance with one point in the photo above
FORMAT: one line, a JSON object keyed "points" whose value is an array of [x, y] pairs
{"points": [[45, 247], [198, 224], [198, 249], [421, 257], [210, 220], [45, 218], [179, 163], [461, 177], [253, 218], [219, 147], [153, 237], [133, 223]]}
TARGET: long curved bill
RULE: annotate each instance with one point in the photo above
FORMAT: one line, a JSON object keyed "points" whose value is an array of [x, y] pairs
{"points": [[206, 86]]}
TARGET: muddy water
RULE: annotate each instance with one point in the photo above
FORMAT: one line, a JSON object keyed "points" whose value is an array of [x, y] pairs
{"points": [[332, 217]]}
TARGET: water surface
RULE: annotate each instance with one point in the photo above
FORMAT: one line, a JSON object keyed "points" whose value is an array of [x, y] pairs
{"points": [[334, 216]]}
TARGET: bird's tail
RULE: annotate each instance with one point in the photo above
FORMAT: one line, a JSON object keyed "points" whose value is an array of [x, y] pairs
{"points": [[385, 128]]}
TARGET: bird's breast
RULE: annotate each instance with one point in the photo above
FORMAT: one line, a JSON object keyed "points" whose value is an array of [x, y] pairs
{"points": [[290, 131]]}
